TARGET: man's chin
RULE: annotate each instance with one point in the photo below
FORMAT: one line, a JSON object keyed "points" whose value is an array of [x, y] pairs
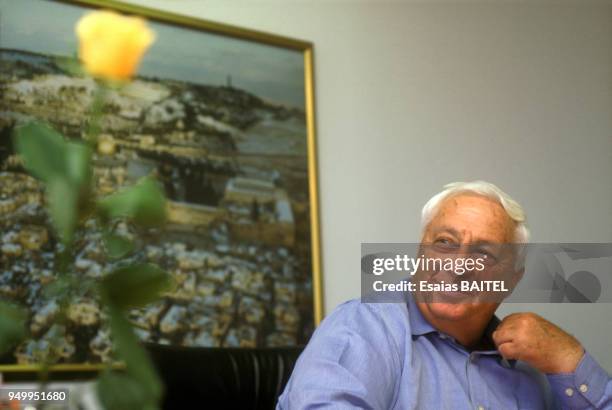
{"points": [[450, 311]]}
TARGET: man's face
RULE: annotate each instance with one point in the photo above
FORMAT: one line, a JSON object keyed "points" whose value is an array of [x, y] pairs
{"points": [[467, 225]]}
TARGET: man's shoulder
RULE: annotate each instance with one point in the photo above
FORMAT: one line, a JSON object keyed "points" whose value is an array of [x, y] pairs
{"points": [[356, 309], [356, 354], [374, 322], [357, 336]]}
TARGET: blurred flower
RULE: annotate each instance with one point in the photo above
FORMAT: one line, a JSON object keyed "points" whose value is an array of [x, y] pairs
{"points": [[111, 45]]}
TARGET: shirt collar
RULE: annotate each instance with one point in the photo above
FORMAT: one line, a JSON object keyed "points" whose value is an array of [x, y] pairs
{"points": [[420, 326], [491, 326]]}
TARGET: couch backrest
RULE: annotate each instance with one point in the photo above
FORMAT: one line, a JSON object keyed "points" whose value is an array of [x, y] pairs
{"points": [[223, 378]]}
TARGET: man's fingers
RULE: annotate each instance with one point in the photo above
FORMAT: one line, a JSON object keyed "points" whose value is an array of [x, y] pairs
{"points": [[509, 350], [503, 335], [529, 337]]}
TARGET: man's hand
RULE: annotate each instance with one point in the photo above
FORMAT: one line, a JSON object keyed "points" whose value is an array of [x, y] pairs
{"points": [[534, 340]]}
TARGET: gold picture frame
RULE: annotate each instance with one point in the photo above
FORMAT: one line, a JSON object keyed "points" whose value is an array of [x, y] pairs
{"points": [[205, 27]]}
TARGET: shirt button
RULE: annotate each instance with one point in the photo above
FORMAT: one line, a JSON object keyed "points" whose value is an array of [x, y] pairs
{"points": [[481, 408], [584, 388], [473, 357], [569, 392], [443, 336]]}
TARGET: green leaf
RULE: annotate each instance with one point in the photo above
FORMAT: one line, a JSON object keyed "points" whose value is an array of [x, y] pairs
{"points": [[58, 288], [117, 246], [63, 287], [12, 326], [63, 202], [63, 166], [135, 285], [135, 357], [42, 149], [78, 160], [144, 203], [118, 391], [48, 156]]}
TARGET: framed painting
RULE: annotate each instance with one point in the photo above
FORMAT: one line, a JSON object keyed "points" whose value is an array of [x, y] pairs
{"points": [[223, 118]]}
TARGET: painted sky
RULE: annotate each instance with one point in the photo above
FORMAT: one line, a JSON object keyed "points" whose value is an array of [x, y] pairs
{"points": [[273, 73]]}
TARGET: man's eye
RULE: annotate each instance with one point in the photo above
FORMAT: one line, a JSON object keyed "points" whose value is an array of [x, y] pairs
{"points": [[488, 257], [445, 244]]}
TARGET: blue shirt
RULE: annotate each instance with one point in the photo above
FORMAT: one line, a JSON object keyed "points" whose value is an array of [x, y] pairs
{"points": [[387, 356]]}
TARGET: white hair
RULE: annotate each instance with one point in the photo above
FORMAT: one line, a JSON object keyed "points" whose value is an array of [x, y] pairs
{"points": [[483, 188]]}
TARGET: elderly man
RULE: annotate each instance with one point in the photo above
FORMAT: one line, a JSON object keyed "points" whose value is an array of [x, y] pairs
{"points": [[448, 355]]}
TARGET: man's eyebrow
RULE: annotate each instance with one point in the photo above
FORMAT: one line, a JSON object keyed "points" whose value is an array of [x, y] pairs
{"points": [[448, 229], [457, 234], [485, 245]]}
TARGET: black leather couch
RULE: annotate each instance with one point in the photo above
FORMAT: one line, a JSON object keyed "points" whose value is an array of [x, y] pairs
{"points": [[223, 378]]}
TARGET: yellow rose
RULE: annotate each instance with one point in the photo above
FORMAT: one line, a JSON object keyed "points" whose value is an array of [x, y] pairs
{"points": [[111, 45]]}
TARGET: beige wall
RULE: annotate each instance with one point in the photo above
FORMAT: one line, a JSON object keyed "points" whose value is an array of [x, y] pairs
{"points": [[413, 95]]}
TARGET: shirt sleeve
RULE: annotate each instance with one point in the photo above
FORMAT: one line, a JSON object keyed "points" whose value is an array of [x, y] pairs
{"points": [[588, 387], [350, 362]]}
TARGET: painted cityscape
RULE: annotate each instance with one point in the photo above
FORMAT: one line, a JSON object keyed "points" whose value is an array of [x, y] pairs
{"points": [[234, 168]]}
